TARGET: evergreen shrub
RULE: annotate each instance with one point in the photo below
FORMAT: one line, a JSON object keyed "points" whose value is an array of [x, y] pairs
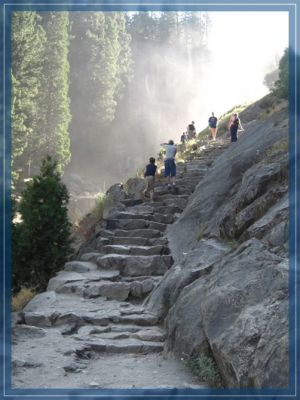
{"points": [[41, 241], [206, 370]]}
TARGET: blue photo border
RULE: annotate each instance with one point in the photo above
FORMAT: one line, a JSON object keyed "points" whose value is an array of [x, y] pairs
{"points": [[293, 8]]}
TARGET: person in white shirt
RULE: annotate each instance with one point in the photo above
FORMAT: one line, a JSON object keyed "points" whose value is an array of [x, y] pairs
{"points": [[170, 166]]}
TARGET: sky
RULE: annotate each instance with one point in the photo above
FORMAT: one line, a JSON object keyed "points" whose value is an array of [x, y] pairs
{"points": [[243, 46]]}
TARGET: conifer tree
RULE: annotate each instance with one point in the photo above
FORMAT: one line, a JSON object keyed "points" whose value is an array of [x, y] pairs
{"points": [[42, 239], [55, 113], [28, 44], [169, 28], [100, 60]]}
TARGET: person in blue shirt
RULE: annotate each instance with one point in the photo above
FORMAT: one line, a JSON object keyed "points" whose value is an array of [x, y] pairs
{"points": [[149, 176], [212, 122]]}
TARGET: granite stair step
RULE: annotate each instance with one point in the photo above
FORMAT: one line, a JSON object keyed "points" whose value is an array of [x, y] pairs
{"points": [[80, 266], [132, 224], [136, 250], [170, 196], [169, 209], [135, 265], [131, 202], [137, 319], [145, 233], [125, 346], [155, 208], [165, 190], [156, 217], [80, 312], [137, 241], [111, 290], [153, 334], [90, 256], [70, 277]]}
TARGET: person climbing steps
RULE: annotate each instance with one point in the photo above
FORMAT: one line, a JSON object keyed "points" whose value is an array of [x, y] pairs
{"points": [[149, 176], [191, 131], [212, 122], [170, 166], [233, 126]]}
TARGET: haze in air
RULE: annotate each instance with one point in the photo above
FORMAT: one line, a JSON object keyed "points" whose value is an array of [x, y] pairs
{"points": [[185, 66], [107, 88]]}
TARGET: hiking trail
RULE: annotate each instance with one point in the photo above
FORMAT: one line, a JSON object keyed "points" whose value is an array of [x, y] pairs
{"points": [[92, 328]]}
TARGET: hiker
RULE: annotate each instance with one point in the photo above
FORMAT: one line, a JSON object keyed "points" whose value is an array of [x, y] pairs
{"points": [[183, 138], [212, 122], [191, 131], [233, 126], [170, 166], [149, 176]]}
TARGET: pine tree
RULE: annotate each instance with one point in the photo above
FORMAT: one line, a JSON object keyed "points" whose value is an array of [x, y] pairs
{"points": [[55, 113], [100, 61], [28, 43], [40, 84], [42, 239], [144, 28], [169, 28]]}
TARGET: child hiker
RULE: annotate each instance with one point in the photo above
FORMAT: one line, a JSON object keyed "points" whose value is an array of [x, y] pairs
{"points": [[149, 175]]}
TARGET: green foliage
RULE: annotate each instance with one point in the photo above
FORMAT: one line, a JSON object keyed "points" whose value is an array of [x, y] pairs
{"points": [[102, 201], [100, 59], [195, 27], [55, 114], [102, 46], [143, 27], [41, 242], [205, 368], [28, 45], [40, 100], [204, 134], [280, 147], [168, 28], [281, 86]]}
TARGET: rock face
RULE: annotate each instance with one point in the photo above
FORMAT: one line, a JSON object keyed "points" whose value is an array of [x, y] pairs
{"points": [[134, 186], [201, 270], [227, 293], [238, 312]]}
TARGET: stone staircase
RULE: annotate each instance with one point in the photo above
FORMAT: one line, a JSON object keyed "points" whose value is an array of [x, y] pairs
{"points": [[95, 306]]}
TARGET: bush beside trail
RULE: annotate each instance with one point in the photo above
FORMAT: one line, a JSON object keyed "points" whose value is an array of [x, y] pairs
{"points": [[41, 241]]}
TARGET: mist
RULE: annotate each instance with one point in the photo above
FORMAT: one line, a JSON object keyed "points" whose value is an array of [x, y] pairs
{"points": [[214, 66]]}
